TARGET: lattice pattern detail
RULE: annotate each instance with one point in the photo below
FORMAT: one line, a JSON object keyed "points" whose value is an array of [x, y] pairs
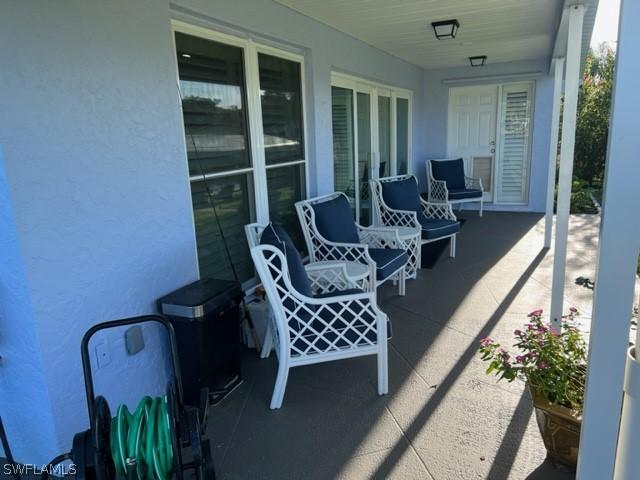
{"points": [[317, 326], [437, 210], [329, 278]]}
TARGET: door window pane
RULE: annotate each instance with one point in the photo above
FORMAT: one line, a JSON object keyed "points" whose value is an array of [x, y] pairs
{"points": [[343, 155], [286, 186], [212, 87], [281, 99], [364, 155], [402, 135], [384, 129], [221, 206]]}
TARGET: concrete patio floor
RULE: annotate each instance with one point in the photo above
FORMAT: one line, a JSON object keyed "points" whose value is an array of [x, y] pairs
{"points": [[443, 417]]}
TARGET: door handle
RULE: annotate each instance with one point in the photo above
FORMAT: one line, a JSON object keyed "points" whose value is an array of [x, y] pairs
{"points": [[492, 143], [493, 150]]}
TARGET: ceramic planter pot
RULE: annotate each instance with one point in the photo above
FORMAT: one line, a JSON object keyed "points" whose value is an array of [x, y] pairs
{"points": [[560, 430]]}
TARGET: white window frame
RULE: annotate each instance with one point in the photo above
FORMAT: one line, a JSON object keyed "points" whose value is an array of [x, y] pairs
{"points": [[258, 168], [374, 90]]}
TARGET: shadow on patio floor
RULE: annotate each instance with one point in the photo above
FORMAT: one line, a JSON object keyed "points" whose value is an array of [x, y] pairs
{"points": [[443, 418]]}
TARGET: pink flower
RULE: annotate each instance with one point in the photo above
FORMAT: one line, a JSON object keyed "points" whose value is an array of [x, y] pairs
{"points": [[517, 333], [543, 365], [530, 326], [536, 313], [520, 358], [487, 341], [573, 309]]}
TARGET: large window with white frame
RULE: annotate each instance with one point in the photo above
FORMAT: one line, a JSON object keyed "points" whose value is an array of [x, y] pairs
{"points": [[243, 112], [371, 137]]}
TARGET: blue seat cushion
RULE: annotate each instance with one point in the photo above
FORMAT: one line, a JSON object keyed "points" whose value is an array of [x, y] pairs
{"points": [[436, 228], [337, 293], [451, 171], [334, 220], [275, 235], [402, 194], [461, 194], [387, 260]]}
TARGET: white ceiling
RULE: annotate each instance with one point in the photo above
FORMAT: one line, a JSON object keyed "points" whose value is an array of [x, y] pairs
{"points": [[504, 30]]}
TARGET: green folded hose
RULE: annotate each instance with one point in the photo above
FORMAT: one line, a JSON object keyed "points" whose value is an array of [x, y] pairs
{"points": [[141, 442]]}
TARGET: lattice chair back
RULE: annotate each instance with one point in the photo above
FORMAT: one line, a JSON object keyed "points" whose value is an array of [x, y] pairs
{"points": [[322, 248], [392, 215]]}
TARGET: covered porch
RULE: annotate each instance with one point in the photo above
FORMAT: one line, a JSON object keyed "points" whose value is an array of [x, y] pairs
{"points": [[105, 206], [443, 417]]}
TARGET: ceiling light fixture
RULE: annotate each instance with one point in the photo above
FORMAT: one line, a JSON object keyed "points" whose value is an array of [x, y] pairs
{"points": [[445, 29], [477, 61], [186, 55]]}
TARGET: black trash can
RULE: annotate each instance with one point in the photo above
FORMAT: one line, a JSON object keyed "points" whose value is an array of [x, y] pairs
{"points": [[206, 318]]}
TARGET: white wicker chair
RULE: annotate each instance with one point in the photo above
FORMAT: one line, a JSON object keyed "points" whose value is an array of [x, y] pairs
{"points": [[319, 329], [407, 221], [322, 275], [437, 191], [322, 249]]}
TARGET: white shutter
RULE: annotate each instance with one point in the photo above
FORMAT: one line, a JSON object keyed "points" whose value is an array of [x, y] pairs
{"points": [[514, 143]]}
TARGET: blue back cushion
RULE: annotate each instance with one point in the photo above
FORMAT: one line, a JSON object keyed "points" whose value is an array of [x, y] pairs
{"points": [[451, 171], [334, 220], [402, 194], [275, 235]]}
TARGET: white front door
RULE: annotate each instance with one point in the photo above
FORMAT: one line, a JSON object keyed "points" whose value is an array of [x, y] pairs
{"points": [[471, 131]]}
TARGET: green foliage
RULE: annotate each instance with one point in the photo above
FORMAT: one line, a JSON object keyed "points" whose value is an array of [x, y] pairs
{"points": [[594, 102], [554, 364], [581, 196]]}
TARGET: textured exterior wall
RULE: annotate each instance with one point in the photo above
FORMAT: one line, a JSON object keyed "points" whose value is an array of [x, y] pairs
{"points": [[436, 97], [91, 129]]}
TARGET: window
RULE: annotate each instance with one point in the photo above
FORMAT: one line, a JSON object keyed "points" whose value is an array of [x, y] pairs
{"points": [[236, 99]]}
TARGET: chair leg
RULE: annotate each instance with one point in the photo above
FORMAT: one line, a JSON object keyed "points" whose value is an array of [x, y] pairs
{"points": [[402, 282], [281, 384], [481, 204], [452, 252], [383, 365], [267, 343]]}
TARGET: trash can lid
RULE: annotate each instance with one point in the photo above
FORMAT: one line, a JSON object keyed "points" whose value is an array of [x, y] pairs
{"points": [[199, 298]]}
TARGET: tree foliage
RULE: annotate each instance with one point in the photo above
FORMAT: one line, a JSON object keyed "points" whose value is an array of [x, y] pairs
{"points": [[594, 105]]}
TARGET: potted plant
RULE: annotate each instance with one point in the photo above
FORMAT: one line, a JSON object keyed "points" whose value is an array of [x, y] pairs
{"points": [[553, 364]]}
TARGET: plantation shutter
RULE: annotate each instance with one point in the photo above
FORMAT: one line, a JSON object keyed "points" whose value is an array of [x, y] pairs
{"points": [[514, 144]]}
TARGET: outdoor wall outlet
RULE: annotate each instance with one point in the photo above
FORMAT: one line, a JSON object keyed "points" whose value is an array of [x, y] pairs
{"points": [[102, 354], [134, 340]]}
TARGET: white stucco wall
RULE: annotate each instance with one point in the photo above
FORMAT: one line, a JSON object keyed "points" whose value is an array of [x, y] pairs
{"points": [[436, 97]]}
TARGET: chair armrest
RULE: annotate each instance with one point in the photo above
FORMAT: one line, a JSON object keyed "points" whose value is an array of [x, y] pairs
{"points": [[438, 210], [438, 191], [325, 277], [398, 218], [380, 237], [475, 183]]}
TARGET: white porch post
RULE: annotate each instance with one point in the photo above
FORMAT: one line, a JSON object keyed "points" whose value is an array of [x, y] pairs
{"points": [[572, 84], [602, 428], [558, 67]]}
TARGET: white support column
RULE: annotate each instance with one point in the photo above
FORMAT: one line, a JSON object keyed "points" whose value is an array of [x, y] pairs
{"points": [[572, 85], [558, 70], [614, 293]]}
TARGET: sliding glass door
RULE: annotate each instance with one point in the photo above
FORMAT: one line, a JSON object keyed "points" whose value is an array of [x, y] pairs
{"points": [[243, 117], [352, 147], [371, 139]]}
